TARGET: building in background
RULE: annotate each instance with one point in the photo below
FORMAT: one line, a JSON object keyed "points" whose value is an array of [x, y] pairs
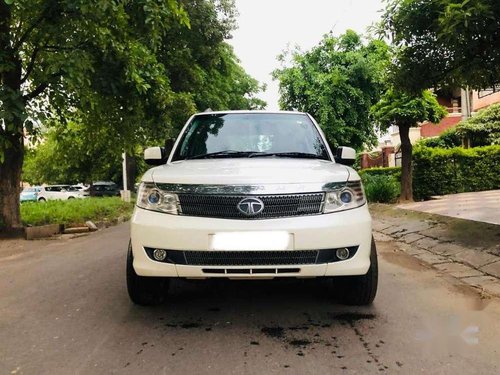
{"points": [[460, 103]]}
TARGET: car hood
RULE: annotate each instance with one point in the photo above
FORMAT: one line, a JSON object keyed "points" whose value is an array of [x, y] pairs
{"points": [[249, 171]]}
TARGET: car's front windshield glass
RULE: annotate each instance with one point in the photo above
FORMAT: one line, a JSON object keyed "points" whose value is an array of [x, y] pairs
{"points": [[253, 133]]}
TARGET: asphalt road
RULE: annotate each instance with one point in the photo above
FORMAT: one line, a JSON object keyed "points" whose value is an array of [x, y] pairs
{"points": [[64, 310]]}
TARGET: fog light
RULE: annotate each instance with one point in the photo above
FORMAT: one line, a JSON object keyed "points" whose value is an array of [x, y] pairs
{"points": [[159, 254], [342, 254]]}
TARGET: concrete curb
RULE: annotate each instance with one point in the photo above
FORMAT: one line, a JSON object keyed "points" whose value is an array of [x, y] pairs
{"points": [[473, 266]]}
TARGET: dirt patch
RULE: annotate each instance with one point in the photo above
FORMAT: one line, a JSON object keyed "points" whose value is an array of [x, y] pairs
{"points": [[274, 332], [403, 260], [300, 343], [352, 317]]}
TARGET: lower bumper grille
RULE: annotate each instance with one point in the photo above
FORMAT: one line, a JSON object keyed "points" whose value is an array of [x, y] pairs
{"points": [[251, 258]]}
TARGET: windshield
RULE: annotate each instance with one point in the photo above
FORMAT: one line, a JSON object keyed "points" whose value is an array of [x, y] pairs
{"points": [[252, 135]]}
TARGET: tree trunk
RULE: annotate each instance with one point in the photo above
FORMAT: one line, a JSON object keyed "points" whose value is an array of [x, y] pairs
{"points": [[406, 169], [11, 128], [10, 182]]}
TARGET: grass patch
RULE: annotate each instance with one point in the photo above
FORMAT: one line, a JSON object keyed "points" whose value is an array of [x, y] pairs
{"points": [[74, 211]]}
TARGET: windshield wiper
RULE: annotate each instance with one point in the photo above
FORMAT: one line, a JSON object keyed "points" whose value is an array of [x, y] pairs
{"points": [[230, 153], [299, 155]]}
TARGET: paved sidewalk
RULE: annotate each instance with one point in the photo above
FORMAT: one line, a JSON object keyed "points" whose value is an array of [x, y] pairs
{"points": [[478, 206], [467, 250]]}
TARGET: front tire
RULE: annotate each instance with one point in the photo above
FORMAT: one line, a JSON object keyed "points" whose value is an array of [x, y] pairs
{"points": [[361, 290], [142, 290]]}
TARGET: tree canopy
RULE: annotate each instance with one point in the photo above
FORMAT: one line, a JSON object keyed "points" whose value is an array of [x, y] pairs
{"points": [[444, 42], [405, 110], [114, 67], [337, 82]]}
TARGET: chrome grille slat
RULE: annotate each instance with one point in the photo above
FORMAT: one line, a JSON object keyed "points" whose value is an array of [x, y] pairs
{"points": [[225, 206]]}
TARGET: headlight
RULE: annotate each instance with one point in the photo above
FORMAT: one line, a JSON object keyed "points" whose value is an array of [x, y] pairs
{"points": [[344, 197], [151, 198]]}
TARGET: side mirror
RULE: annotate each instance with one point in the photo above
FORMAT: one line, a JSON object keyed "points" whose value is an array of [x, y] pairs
{"points": [[345, 155], [154, 155]]}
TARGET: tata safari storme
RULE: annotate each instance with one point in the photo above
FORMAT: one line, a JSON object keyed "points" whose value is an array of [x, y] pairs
{"points": [[251, 195]]}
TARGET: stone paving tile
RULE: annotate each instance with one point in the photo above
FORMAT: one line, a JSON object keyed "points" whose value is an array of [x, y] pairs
{"points": [[379, 225], [417, 226], [412, 237], [393, 229], [492, 269], [458, 270], [412, 250], [447, 248], [381, 237], [431, 258], [480, 280], [426, 243], [493, 289], [475, 258]]}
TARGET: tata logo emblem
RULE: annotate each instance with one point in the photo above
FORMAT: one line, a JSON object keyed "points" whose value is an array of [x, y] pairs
{"points": [[250, 206]]}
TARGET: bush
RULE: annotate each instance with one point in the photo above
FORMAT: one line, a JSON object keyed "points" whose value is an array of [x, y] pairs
{"points": [[482, 129], [381, 184], [74, 211], [439, 171], [381, 189], [447, 139]]}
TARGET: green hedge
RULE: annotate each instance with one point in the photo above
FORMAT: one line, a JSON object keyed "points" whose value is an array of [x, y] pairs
{"points": [[438, 171], [381, 171], [447, 171]]}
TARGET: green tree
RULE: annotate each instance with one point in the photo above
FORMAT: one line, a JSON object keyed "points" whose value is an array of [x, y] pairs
{"points": [[71, 154], [62, 55], [337, 82], [406, 111], [105, 65], [444, 42], [199, 62]]}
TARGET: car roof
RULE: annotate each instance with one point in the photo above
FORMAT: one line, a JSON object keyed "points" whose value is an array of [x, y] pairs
{"points": [[208, 112]]}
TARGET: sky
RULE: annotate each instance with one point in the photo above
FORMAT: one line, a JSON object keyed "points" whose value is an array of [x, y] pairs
{"points": [[266, 27]]}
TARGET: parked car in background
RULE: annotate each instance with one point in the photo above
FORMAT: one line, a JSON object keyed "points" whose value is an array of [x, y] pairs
{"points": [[83, 189], [29, 194], [61, 192], [104, 189]]}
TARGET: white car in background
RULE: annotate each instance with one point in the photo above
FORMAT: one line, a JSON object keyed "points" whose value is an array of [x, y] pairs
{"points": [[58, 192]]}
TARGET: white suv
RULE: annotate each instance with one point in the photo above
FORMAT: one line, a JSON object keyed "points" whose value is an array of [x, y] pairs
{"points": [[251, 195], [58, 192]]}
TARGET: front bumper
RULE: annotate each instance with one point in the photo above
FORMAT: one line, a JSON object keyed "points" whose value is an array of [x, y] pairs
{"points": [[151, 229]]}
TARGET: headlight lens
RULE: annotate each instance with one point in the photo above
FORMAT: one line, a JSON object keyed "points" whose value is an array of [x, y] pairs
{"points": [[151, 198], [344, 197]]}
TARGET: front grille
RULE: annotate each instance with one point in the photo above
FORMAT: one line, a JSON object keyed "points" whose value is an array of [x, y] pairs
{"points": [[225, 206]]}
